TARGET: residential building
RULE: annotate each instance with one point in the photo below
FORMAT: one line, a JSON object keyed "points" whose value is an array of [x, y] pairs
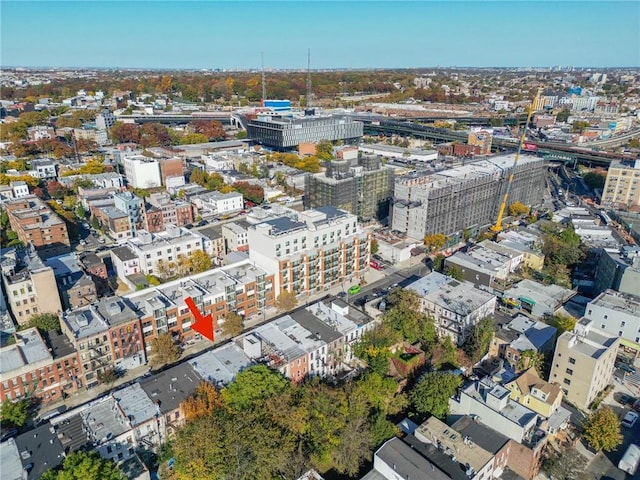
{"points": [[116, 222], [537, 299], [132, 205], [533, 392], [215, 204], [242, 288], [482, 138], [287, 133], [526, 242], [160, 211], [43, 168], [621, 187], [468, 196], [455, 306], [236, 236], [618, 271], [105, 120], [99, 180], [30, 285], [520, 335], [487, 263], [167, 390], [363, 187], [221, 365], [141, 413], [617, 314], [397, 460], [44, 448], [583, 362], [171, 167], [218, 247], [94, 266], [399, 153], [311, 251], [6, 193], [37, 225], [76, 288], [125, 262], [142, 171], [47, 370]]}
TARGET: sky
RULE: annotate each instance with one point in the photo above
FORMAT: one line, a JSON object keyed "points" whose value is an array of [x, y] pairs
{"points": [[356, 34]]}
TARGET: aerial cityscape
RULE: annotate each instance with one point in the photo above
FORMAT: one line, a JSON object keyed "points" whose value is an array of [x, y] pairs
{"points": [[320, 240]]}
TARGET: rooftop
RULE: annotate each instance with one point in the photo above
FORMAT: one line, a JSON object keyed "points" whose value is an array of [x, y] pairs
{"points": [[592, 344], [620, 302], [221, 365], [531, 335], [460, 297], [135, 404], [40, 446], [85, 322], [408, 462], [124, 253], [29, 349], [486, 437], [482, 389], [553, 296], [104, 420], [171, 387], [10, 460]]}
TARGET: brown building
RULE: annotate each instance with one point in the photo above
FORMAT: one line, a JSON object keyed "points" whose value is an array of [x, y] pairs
{"points": [[36, 224], [161, 210], [80, 293], [95, 267], [47, 369], [458, 149], [170, 167], [117, 222], [482, 139]]}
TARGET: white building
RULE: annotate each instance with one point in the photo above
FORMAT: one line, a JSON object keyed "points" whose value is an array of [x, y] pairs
{"points": [[580, 103], [20, 189], [141, 171], [236, 236], [455, 306], [216, 203], [390, 151], [617, 314], [43, 168], [125, 262], [218, 162]]}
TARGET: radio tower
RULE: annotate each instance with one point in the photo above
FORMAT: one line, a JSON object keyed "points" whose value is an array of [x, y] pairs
{"points": [[308, 78], [264, 83]]}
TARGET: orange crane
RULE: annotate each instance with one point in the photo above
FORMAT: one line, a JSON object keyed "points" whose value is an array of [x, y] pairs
{"points": [[498, 225]]}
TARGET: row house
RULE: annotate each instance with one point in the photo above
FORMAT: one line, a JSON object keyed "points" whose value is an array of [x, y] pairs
{"points": [[311, 251], [36, 224], [241, 288], [48, 370], [116, 222], [160, 211], [107, 335]]}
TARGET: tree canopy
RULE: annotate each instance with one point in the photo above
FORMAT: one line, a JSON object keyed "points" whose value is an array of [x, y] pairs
{"points": [[286, 301], [164, 350], [14, 413], [602, 430], [85, 466], [431, 394], [435, 241]]}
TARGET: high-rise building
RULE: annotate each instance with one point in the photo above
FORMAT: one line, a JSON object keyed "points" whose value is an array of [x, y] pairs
{"points": [[583, 362], [311, 251], [621, 188], [363, 187], [287, 133], [464, 197]]}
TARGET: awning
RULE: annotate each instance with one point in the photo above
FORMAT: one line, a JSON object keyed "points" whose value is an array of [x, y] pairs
{"points": [[527, 300], [628, 343]]}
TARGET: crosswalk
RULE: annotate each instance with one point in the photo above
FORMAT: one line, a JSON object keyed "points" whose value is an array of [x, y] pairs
{"points": [[633, 379]]}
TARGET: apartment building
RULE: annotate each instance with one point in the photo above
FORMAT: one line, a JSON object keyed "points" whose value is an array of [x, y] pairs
{"points": [[617, 314], [526, 242], [34, 367], [486, 266], [583, 362], [455, 306], [618, 271], [43, 168], [287, 133], [30, 285], [125, 262], [537, 299], [36, 224], [215, 204], [171, 167], [621, 187], [157, 252], [117, 223], [242, 288], [106, 334], [132, 205], [142, 171], [160, 210], [76, 288], [236, 236], [481, 138], [468, 196], [99, 180], [311, 251], [363, 187], [218, 248], [20, 189]]}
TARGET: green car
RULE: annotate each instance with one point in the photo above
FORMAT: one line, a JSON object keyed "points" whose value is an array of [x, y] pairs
{"points": [[353, 290]]}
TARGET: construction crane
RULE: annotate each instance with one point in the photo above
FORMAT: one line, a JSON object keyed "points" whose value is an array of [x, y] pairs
{"points": [[498, 225]]}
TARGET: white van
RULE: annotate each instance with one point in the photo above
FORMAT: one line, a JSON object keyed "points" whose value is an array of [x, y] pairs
{"points": [[630, 460]]}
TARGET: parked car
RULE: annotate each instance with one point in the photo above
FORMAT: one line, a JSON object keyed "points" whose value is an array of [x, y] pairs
{"points": [[355, 289], [12, 432], [625, 399], [625, 367], [630, 419], [376, 265], [342, 295]]}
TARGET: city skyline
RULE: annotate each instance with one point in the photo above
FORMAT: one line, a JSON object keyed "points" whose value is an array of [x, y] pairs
{"points": [[341, 35]]}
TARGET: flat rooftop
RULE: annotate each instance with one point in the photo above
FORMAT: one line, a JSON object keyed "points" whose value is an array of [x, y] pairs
{"points": [[104, 420], [135, 404], [29, 349], [221, 365], [620, 302], [171, 387]]}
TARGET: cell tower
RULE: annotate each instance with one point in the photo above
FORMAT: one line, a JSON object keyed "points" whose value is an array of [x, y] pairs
{"points": [[264, 82], [309, 78]]}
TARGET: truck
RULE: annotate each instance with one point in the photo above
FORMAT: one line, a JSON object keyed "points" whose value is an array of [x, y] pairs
{"points": [[630, 460]]}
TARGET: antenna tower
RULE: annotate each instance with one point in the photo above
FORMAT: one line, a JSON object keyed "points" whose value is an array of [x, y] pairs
{"points": [[309, 78], [264, 82]]}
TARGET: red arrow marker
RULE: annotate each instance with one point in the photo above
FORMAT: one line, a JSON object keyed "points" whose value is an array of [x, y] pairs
{"points": [[203, 324]]}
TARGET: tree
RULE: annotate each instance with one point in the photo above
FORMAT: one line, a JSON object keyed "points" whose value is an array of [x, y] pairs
{"points": [[531, 359], [564, 323], [406, 318], [579, 126], [445, 354], [14, 413], [211, 129], [108, 377], [232, 325], [431, 394], [454, 271], [435, 241], [566, 464], [252, 384], [164, 350], [203, 402], [595, 179], [602, 430], [251, 192], [518, 208], [563, 116], [286, 301], [193, 138], [125, 133], [374, 246], [82, 465], [199, 261], [45, 322], [477, 345], [373, 347], [81, 212]]}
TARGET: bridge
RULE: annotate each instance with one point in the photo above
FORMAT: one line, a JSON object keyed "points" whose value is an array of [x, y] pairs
{"points": [[557, 151]]}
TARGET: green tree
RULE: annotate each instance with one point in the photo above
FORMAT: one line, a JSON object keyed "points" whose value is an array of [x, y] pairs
{"points": [[405, 317], [108, 377], [241, 135], [164, 350], [252, 384], [477, 345], [435, 241], [454, 271], [579, 126], [373, 347], [199, 261], [233, 324], [602, 430], [80, 211], [518, 208], [85, 466], [563, 116], [324, 150], [45, 322], [531, 359], [14, 413], [564, 323], [286, 301], [95, 223], [595, 179], [374, 246], [431, 394]]}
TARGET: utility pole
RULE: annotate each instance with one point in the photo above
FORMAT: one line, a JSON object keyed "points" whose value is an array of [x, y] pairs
{"points": [[264, 82], [309, 78]]}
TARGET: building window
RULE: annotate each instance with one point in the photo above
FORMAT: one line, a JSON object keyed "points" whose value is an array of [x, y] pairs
{"points": [[572, 360], [567, 381], [569, 371]]}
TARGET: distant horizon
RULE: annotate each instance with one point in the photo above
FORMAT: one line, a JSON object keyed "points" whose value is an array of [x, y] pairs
{"points": [[352, 35]]}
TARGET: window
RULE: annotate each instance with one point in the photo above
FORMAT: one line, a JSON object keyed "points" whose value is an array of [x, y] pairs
{"points": [[569, 371], [567, 381], [572, 360]]}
